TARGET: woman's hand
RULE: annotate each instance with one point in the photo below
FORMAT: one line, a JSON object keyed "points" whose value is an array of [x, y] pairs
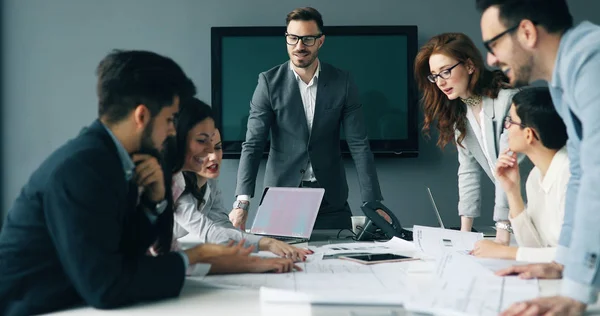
{"points": [[283, 249], [489, 249], [507, 171]]}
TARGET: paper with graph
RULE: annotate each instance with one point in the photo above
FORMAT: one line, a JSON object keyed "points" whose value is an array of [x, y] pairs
{"points": [[333, 280], [464, 287], [436, 241], [454, 284]]}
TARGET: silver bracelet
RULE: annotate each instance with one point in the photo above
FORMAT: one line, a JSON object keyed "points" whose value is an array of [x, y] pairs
{"points": [[505, 226]]}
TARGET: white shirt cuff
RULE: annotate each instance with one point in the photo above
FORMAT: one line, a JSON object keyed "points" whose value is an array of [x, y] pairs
{"points": [[535, 254], [584, 293], [243, 197], [198, 269], [252, 240], [186, 260]]}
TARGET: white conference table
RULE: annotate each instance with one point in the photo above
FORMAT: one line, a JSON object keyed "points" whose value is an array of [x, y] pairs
{"points": [[198, 298]]}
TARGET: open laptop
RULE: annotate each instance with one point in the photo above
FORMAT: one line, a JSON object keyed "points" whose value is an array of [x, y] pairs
{"points": [[487, 231], [287, 214]]}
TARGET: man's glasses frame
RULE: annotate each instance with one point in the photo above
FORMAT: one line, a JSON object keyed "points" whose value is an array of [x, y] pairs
{"points": [[488, 43], [307, 40]]}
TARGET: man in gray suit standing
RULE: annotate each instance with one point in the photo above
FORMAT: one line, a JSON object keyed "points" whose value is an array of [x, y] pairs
{"points": [[304, 103]]}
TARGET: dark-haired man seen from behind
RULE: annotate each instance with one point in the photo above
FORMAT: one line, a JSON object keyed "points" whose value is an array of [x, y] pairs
{"points": [[535, 40], [303, 103], [80, 228]]}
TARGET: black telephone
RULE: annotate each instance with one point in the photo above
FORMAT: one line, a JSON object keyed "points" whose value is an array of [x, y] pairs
{"points": [[377, 227]]}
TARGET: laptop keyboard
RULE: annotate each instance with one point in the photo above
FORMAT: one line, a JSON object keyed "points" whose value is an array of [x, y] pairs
{"points": [[288, 239]]}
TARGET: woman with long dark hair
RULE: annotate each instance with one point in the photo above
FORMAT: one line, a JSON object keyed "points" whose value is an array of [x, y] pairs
{"points": [[199, 208]]}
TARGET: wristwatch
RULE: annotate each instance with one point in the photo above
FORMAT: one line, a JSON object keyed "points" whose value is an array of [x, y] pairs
{"points": [[244, 205], [505, 226], [155, 208]]}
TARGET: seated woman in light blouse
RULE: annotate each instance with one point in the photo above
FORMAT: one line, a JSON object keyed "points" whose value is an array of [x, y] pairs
{"points": [[535, 129], [199, 208]]}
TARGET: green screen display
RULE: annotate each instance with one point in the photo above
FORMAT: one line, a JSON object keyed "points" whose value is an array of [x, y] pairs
{"points": [[377, 63]]}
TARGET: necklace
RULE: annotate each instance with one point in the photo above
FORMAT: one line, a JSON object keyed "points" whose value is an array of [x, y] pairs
{"points": [[472, 101]]}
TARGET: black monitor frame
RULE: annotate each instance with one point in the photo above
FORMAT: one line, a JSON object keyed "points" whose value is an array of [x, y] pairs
{"points": [[383, 148]]}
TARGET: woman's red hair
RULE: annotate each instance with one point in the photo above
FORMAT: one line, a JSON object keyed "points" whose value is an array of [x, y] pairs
{"points": [[450, 115]]}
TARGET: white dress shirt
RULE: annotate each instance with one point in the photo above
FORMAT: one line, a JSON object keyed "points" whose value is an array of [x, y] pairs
{"points": [[308, 91], [537, 229]]}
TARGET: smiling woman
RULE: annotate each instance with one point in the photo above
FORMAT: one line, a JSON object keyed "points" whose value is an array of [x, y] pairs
{"points": [[467, 104], [199, 208]]}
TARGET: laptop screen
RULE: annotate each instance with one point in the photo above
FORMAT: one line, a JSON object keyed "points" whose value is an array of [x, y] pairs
{"points": [[288, 212], [435, 209]]}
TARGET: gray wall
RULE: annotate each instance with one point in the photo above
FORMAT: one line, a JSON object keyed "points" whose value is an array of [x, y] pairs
{"points": [[50, 50]]}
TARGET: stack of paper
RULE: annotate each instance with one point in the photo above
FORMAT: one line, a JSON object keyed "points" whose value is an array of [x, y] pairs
{"points": [[464, 286], [436, 242], [334, 281], [453, 284]]}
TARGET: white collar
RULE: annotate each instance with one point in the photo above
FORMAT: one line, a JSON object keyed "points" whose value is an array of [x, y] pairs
{"points": [[177, 185], [316, 75]]}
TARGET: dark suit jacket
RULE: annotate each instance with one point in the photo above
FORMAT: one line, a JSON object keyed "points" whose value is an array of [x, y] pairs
{"points": [[277, 107], [74, 236]]}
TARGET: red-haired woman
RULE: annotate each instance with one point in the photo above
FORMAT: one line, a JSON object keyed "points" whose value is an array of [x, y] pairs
{"points": [[466, 103]]}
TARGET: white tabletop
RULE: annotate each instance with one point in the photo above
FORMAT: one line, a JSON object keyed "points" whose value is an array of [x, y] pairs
{"points": [[198, 298]]}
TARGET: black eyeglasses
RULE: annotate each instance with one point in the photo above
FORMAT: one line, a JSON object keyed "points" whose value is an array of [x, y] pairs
{"points": [[508, 122], [488, 43], [444, 74], [308, 40]]}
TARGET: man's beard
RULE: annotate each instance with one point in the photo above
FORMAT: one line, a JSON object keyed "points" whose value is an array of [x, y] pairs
{"points": [[309, 62], [523, 76], [147, 145], [523, 68]]}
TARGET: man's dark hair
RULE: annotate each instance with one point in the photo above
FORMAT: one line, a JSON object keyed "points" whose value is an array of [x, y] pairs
{"points": [[552, 15], [535, 109], [128, 78], [305, 14]]}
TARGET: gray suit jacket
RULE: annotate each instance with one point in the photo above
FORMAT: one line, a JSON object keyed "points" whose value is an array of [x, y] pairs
{"points": [[277, 107], [472, 159]]}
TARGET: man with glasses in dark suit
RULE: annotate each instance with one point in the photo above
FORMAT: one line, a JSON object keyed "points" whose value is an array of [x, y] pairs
{"points": [[304, 103]]}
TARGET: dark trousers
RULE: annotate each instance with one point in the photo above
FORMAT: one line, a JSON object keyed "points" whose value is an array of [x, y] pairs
{"points": [[330, 217]]}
